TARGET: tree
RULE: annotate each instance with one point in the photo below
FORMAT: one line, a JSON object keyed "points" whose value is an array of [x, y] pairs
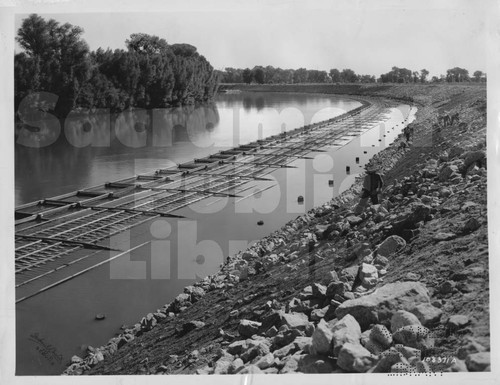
{"points": [[270, 74], [316, 76], [288, 76], [232, 75], [457, 74], [335, 75], [149, 74], [147, 44], [367, 79], [423, 75], [58, 58], [348, 76], [478, 75], [300, 76], [247, 75], [259, 75], [398, 75], [405, 75]]}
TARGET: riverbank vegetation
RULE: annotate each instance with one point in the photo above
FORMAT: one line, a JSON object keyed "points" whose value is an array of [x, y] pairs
{"points": [[272, 75], [150, 73]]}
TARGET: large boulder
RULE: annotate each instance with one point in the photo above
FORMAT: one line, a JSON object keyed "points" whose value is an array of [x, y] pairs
{"points": [[403, 318], [192, 325], [265, 361], [148, 322], [235, 366], [381, 335], [295, 320], [390, 246], [427, 313], [256, 348], [222, 365], [472, 158], [322, 338], [180, 301], [291, 364], [471, 225], [384, 302], [249, 255], [409, 220], [337, 288], [368, 274], [354, 220], [360, 251], [387, 359], [195, 292], [478, 362], [457, 321], [472, 346], [248, 328], [319, 291], [352, 356], [237, 347], [286, 350], [414, 336], [303, 343], [409, 353], [345, 330], [318, 314], [270, 319], [447, 171]]}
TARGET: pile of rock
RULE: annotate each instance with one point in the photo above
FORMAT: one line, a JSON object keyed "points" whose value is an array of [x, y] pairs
{"points": [[338, 328], [385, 331]]}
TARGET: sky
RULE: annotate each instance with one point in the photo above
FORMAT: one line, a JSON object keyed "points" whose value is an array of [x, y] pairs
{"points": [[369, 37]]}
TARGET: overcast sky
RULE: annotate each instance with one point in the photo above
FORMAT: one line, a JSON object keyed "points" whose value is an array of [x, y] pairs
{"points": [[367, 36]]}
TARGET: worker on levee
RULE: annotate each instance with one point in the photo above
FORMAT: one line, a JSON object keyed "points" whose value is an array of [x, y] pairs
{"points": [[372, 187]]}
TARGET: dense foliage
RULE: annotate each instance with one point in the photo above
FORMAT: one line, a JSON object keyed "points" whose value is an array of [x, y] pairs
{"points": [[270, 75], [149, 74], [276, 75]]}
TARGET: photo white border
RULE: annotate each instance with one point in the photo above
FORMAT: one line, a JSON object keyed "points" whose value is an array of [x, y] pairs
{"points": [[8, 9]]}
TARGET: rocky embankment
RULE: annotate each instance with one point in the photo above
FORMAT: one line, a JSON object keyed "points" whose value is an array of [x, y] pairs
{"points": [[402, 287]]}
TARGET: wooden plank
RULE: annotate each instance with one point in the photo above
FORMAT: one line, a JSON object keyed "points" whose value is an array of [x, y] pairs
{"points": [[62, 240], [280, 155], [262, 164], [146, 212], [80, 272], [208, 192], [236, 176]]}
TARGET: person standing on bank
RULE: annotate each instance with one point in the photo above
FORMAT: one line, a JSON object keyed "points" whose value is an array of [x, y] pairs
{"points": [[372, 186]]}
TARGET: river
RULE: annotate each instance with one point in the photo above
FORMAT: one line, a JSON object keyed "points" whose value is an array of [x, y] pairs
{"points": [[95, 147]]}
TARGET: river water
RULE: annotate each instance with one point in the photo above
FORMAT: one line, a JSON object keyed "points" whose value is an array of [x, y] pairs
{"points": [[95, 147]]}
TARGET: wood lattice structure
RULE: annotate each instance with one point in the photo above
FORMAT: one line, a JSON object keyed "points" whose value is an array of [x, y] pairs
{"points": [[74, 225]]}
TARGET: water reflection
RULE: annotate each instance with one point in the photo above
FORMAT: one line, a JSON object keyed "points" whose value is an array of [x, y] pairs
{"points": [[91, 147], [52, 156], [253, 102]]}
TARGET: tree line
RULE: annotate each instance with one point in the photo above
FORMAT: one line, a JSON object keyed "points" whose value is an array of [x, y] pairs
{"points": [[276, 75], [150, 73]]}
